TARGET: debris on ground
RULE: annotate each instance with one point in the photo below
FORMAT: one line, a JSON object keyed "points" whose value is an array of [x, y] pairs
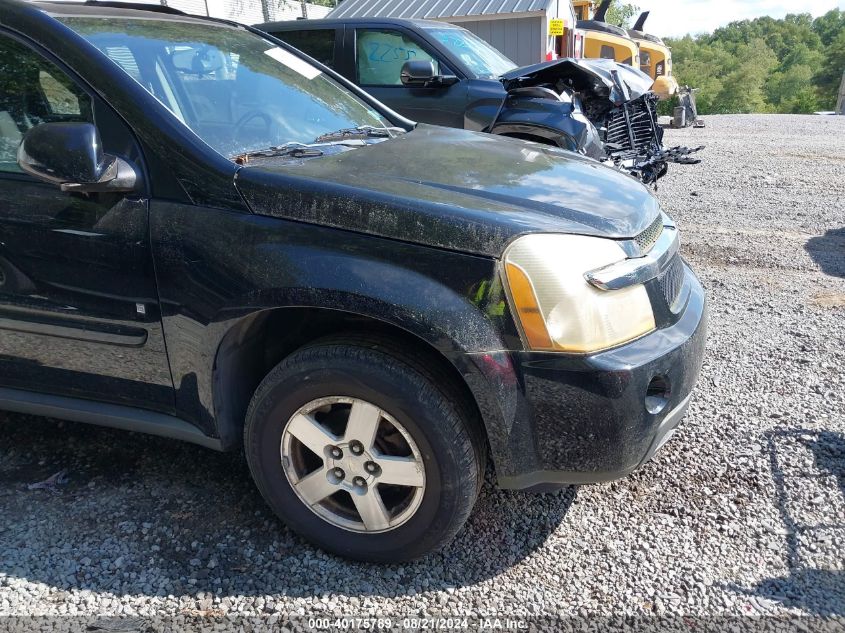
{"points": [[51, 483]]}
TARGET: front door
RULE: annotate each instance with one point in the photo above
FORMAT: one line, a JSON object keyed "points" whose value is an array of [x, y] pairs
{"points": [[79, 315], [380, 54]]}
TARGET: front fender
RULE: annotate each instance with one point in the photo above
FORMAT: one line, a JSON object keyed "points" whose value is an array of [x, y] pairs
{"points": [[560, 122], [208, 285]]}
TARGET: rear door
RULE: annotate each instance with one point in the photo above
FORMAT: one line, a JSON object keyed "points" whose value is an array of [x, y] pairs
{"points": [[379, 54], [79, 313]]}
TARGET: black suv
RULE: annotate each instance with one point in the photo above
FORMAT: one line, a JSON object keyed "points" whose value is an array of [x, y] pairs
{"points": [[207, 237]]}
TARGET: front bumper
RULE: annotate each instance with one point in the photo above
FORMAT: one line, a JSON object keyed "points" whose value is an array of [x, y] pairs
{"points": [[586, 419]]}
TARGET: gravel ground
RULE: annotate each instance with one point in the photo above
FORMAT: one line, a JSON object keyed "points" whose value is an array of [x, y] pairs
{"points": [[743, 512]]}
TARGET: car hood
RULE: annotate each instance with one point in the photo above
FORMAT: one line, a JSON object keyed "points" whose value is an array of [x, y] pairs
{"points": [[454, 189], [600, 78]]}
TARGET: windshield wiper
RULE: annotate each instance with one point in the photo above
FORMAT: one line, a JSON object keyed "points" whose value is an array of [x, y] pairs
{"points": [[292, 149], [362, 131], [296, 149]]}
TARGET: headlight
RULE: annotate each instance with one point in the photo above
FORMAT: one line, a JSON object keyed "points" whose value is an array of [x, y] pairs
{"points": [[557, 309]]}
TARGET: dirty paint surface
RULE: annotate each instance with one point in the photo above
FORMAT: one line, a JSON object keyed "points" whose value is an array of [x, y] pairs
{"points": [[452, 189]]}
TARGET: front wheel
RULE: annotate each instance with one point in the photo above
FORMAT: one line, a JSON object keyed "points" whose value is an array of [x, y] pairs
{"points": [[363, 453]]}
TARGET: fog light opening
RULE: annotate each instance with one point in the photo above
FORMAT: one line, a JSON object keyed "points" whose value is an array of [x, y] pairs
{"points": [[657, 394]]}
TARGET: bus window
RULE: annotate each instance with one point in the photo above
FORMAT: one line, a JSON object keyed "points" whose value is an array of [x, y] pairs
{"points": [[645, 62]]}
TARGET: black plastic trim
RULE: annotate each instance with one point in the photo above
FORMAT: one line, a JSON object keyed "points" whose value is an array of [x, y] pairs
{"points": [[103, 414], [75, 330]]}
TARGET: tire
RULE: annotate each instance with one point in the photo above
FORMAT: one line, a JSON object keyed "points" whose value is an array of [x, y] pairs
{"points": [[421, 419]]}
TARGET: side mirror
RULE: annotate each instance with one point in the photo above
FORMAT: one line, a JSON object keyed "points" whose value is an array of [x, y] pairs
{"points": [[417, 72], [70, 155], [420, 73]]}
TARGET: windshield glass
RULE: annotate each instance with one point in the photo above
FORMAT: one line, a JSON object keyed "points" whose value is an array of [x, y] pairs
{"points": [[477, 55], [237, 91]]}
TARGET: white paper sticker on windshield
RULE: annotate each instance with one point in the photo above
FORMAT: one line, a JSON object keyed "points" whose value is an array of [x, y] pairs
{"points": [[293, 62]]}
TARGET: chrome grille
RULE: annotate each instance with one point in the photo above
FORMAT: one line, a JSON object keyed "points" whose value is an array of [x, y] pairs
{"points": [[647, 238], [639, 134], [671, 281]]}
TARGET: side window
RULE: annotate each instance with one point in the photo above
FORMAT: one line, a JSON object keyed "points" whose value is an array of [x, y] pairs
{"points": [[160, 88], [645, 62], [318, 43], [60, 98], [381, 55], [607, 52], [33, 91]]}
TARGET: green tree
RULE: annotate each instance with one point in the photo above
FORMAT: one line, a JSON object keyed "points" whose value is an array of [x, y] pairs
{"points": [[622, 14], [703, 66], [829, 26], [830, 74], [792, 64], [743, 85], [791, 87]]}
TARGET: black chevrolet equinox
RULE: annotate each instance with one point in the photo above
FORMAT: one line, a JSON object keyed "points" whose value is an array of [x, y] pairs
{"points": [[206, 235]]}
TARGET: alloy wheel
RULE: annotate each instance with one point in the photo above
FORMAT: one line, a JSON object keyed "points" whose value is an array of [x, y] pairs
{"points": [[353, 464]]}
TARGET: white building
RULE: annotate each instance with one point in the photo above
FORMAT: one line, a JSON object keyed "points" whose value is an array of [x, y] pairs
{"points": [[521, 29], [247, 11]]}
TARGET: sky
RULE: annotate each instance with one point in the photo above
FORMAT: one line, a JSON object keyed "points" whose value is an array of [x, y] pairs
{"points": [[672, 18]]}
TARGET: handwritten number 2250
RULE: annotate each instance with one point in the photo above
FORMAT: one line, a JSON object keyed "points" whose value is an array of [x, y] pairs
{"points": [[380, 52]]}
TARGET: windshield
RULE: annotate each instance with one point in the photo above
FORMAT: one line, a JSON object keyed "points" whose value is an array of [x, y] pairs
{"points": [[237, 91], [476, 54]]}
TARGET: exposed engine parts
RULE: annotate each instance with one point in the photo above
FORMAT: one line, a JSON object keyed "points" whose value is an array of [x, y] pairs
{"points": [[597, 107], [633, 141]]}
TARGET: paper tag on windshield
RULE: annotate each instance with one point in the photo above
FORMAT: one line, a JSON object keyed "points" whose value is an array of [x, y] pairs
{"points": [[293, 62]]}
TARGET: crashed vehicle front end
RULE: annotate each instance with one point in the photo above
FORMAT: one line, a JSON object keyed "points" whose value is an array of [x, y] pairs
{"points": [[596, 107]]}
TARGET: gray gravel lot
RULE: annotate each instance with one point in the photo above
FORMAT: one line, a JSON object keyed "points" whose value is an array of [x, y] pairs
{"points": [[743, 512]]}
